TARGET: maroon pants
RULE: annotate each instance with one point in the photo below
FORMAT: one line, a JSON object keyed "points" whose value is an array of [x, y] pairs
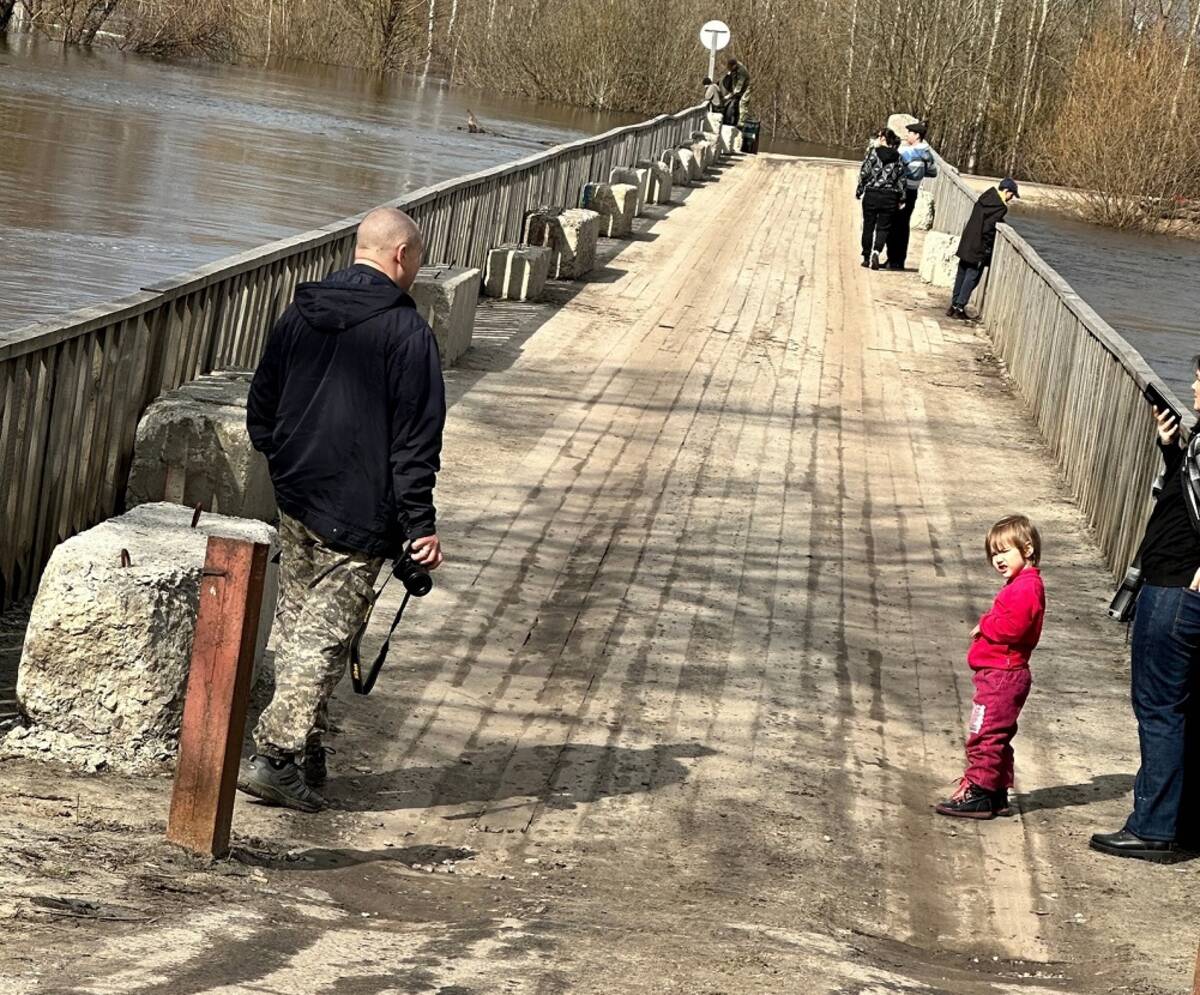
{"points": [[999, 695]]}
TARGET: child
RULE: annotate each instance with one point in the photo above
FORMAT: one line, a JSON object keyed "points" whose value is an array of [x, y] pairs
{"points": [[1001, 645]]}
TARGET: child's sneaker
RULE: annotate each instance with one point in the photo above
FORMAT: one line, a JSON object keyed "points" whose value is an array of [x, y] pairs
{"points": [[969, 802], [1001, 806]]}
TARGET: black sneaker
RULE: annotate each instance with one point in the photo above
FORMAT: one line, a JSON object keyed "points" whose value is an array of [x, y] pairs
{"points": [[969, 802], [951, 311], [960, 314], [315, 771], [874, 260], [866, 262], [1000, 802], [279, 782]]}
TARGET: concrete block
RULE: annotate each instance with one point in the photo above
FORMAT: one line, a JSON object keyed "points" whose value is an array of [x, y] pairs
{"points": [[517, 272], [679, 172], [446, 297], [730, 138], [659, 181], [939, 264], [616, 205], [570, 235], [105, 662], [922, 215], [691, 164], [630, 176], [712, 122], [192, 448]]}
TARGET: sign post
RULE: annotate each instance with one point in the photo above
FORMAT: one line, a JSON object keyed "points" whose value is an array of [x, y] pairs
{"points": [[714, 36]]}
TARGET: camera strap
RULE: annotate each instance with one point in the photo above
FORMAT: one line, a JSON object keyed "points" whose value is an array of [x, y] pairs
{"points": [[362, 686]]}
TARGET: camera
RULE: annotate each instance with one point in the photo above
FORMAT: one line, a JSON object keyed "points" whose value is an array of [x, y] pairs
{"points": [[411, 574], [1124, 600]]}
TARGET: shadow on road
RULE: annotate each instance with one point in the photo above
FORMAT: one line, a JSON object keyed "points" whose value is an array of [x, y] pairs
{"points": [[1101, 788], [562, 776]]}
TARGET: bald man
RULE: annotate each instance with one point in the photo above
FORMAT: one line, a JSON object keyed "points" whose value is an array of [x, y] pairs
{"points": [[348, 406]]}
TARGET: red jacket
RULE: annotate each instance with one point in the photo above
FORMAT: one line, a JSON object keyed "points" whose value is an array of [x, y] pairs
{"points": [[1010, 631]]}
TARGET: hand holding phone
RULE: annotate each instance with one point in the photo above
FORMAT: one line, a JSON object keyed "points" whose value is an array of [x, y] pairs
{"points": [[1164, 414]]}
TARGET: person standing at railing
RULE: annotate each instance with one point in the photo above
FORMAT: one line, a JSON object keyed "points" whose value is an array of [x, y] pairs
{"points": [[1165, 659], [977, 242], [918, 163], [348, 406], [881, 189], [735, 85]]}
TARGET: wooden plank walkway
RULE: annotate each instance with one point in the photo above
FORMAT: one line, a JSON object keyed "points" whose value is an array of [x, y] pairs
{"points": [[694, 672]]}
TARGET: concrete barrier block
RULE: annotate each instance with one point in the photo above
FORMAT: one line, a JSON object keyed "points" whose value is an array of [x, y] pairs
{"points": [[680, 176], [658, 181], [517, 272], [730, 137], [691, 164], [446, 297], [106, 655], [922, 215], [630, 176], [939, 264], [616, 206], [570, 235], [192, 448]]}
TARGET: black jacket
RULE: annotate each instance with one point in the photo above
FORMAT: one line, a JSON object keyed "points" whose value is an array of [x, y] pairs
{"points": [[979, 236], [348, 406], [881, 179]]}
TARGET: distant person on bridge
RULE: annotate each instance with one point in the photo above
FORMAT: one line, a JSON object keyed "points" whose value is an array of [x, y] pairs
{"points": [[977, 241], [918, 163], [714, 99], [735, 85], [881, 188], [348, 406], [1001, 645], [1165, 659]]}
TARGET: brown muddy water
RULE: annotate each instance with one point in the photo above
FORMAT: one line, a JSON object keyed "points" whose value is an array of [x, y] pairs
{"points": [[1146, 286], [117, 171]]}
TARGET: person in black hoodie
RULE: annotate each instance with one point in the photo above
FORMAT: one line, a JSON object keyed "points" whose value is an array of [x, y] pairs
{"points": [[881, 186], [348, 406], [977, 241]]}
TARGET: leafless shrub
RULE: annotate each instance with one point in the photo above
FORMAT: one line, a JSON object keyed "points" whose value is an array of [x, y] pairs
{"points": [[1125, 135], [175, 28]]}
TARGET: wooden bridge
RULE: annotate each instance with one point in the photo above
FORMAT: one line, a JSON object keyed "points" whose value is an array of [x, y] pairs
{"points": [[694, 673]]}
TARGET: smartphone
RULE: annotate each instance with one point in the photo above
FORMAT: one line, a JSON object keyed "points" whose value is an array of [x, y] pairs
{"points": [[1154, 396]]}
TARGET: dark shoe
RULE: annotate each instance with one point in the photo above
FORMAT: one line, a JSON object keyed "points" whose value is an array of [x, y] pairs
{"points": [[1000, 802], [1126, 844], [866, 261], [896, 268], [280, 783], [874, 260], [969, 802], [315, 771], [951, 311], [960, 314]]}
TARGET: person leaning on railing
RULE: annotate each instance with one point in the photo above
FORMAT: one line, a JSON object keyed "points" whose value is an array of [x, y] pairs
{"points": [[348, 406], [978, 239], [1165, 659]]}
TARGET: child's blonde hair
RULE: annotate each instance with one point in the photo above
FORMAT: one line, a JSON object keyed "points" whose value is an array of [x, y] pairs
{"points": [[1015, 530]]}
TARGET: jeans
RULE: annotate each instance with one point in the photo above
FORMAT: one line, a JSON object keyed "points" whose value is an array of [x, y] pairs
{"points": [[876, 224], [969, 275], [897, 240], [1165, 664]]}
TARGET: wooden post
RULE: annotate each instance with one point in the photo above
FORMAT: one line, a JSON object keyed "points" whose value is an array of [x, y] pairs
{"points": [[214, 712]]}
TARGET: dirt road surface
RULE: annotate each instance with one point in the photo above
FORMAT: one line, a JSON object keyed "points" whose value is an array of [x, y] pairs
{"points": [[675, 717]]}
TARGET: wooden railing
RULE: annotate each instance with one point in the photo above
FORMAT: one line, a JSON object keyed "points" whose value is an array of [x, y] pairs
{"points": [[1083, 383], [72, 389]]}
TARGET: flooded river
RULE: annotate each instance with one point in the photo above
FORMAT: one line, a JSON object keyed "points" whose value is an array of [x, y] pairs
{"points": [[116, 171]]}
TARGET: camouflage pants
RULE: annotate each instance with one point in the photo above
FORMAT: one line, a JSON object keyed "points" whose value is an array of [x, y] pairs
{"points": [[324, 598]]}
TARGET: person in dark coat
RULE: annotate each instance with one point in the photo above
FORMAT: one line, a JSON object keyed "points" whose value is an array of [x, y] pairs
{"points": [[348, 405], [977, 241], [881, 185]]}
